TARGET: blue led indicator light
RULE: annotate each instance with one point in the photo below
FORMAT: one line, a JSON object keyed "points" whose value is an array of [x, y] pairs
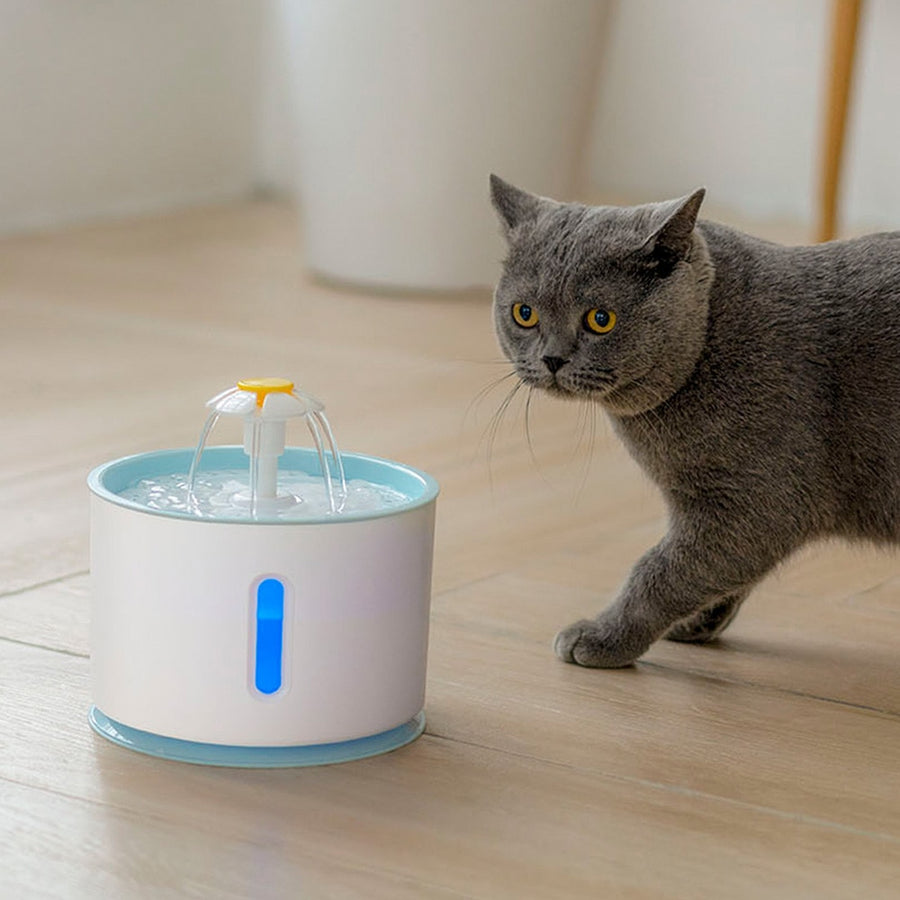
{"points": [[269, 635]]}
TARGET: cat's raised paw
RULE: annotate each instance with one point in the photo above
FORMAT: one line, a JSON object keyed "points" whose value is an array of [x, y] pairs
{"points": [[588, 643]]}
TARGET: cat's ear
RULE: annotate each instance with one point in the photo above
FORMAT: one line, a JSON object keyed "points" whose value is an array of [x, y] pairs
{"points": [[674, 224], [513, 206]]}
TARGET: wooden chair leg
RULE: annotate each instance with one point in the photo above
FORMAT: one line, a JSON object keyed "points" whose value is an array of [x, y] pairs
{"points": [[844, 30]]}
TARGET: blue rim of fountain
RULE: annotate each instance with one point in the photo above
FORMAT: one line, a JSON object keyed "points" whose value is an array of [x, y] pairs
{"points": [[255, 757], [107, 480]]}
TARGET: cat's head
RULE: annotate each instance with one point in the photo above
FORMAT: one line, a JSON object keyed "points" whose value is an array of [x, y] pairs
{"points": [[600, 302]]}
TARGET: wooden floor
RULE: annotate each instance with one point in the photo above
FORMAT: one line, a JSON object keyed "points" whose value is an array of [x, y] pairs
{"points": [[765, 766]]}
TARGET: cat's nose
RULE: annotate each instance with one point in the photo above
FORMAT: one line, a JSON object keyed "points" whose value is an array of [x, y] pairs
{"points": [[554, 363]]}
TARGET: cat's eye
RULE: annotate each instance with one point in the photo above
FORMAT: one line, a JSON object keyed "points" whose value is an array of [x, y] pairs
{"points": [[524, 315], [600, 321]]}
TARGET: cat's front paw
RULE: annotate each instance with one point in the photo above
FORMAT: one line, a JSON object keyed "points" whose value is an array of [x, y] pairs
{"points": [[590, 643]]}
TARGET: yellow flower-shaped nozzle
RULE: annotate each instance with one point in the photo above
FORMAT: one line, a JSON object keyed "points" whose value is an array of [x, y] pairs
{"points": [[262, 387]]}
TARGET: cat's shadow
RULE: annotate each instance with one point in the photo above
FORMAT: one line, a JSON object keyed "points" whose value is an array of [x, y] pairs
{"points": [[844, 672]]}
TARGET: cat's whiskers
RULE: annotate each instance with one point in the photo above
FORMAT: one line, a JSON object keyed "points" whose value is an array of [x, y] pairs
{"points": [[474, 405], [581, 425], [528, 425], [588, 416], [493, 427], [483, 393]]}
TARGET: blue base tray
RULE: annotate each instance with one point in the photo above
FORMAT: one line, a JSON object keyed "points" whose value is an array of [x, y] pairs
{"points": [[255, 757]]}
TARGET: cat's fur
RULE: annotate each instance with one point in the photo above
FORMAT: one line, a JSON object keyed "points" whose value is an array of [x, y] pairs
{"points": [[757, 385]]}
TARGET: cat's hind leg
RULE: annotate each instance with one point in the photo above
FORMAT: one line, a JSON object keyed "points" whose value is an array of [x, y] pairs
{"points": [[707, 624]]}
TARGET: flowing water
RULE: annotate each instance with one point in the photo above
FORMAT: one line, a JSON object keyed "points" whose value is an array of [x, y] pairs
{"points": [[265, 406], [264, 493]]}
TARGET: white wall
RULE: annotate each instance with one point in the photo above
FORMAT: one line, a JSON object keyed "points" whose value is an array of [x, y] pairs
{"points": [[113, 108], [724, 93], [730, 94], [872, 196]]}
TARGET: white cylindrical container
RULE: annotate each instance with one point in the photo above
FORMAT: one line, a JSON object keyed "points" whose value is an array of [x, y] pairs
{"points": [[241, 641], [403, 110]]}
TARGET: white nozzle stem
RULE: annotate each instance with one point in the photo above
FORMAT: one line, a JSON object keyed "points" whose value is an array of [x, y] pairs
{"points": [[263, 443], [266, 477], [263, 437]]}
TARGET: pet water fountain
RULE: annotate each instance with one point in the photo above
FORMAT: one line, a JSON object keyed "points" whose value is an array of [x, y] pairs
{"points": [[260, 605]]}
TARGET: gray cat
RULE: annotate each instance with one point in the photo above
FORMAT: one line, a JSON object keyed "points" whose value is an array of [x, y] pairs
{"points": [[757, 385]]}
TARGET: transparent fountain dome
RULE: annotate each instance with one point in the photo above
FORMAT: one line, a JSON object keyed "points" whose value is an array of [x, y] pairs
{"points": [[266, 405]]}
